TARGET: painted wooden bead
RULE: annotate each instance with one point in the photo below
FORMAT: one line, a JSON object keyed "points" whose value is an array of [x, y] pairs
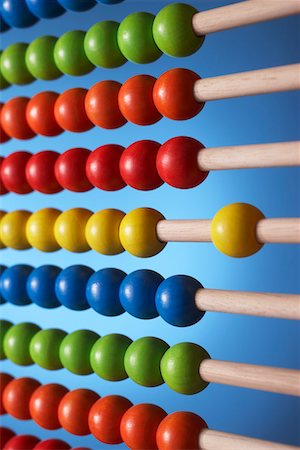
{"points": [[69, 54], [44, 348], [13, 229], [40, 229], [39, 58], [69, 229], [17, 341], [102, 231], [75, 351]]}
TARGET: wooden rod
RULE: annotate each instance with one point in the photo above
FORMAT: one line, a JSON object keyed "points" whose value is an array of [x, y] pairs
{"points": [[241, 14], [275, 231], [269, 379], [255, 82]]}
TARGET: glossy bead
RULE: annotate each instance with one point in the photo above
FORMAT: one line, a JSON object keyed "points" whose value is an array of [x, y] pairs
{"points": [[5, 435], [233, 230], [2, 269], [102, 291], [137, 293], [3, 136], [16, 396], [43, 405], [40, 114], [75, 351], [69, 54], [70, 170], [40, 286], [39, 229], [107, 357], [5, 378], [39, 57], [13, 284], [13, 229], [43, 9], [16, 14], [52, 444], [77, 5], [138, 232], [70, 286], [138, 165], [3, 189], [16, 343], [142, 361], [3, 25], [44, 348], [13, 172], [22, 442], [73, 411], [101, 45], [105, 418], [4, 84], [69, 230], [13, 119], [102, 231], [136, 100], [13, 66], [4, 327], [139, 424], [69, 111], [173, 94], [2, 214], [40, 172], [180, 368]]}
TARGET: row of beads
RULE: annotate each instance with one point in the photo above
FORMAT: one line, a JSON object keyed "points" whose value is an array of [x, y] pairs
{"points": [[10, 441], [142, 100], [148, 361], [111, 419]]}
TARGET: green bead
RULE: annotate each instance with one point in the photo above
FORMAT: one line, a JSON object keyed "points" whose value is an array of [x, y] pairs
{"points": [[101, 45], [4, 327], [44, 348], [180, 368], [173, 31], [75, 351], [39, 58], [3, 83], [135, 38], [69, 54], [17, 341], [107, 357], [13, 66], [142, 361]]}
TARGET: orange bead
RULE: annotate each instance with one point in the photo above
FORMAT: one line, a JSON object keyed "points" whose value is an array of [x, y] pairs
{"points": [[13, 118], [3, 136], [16, 397], [69, 111], [40, 114], [5, 378]]}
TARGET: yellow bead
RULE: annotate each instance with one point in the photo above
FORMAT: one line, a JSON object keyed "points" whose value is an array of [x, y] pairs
{"points": [[69, 229], [2, 214], [13, 229], [233, 230], [40, 230], [102, 231], [138, 232]]}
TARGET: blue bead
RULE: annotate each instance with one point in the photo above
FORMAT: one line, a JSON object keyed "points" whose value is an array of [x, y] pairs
{"points": [[70, 286], [102, 291], [13, 284], [109, 2], [45, 9], [2, 268], [16, 14], [3, 25], [77, 5], [137, 293], [175, 300], [40, 286]]}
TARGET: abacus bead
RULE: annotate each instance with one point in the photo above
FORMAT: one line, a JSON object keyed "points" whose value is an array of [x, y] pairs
{"points": [[40, 286], [69, 54], [5, 435], [102, 291], [180, 368], [16, 14], [2, 214], [233, 230], [13, 119], [3, 25], [175, 301], [13, 65], [3, 136], [137, 293], [135, 38], [3, 190], [52, 444], [107, 357], [2, 269], [17, 341], [102, 231], [69, 230], [44, 348], [4, 84], [40, 114], [136, 100], [39, 58], [69, 111], [43, 9], [13, 229], [16, 397], [5, 325], [75, 351], [77, 5], [13, 172], [173, 94], [13, 284], [70, 170], [177, 162], [109, 2], [142, 361], [39, 229], [138, 165], [105, 418], [21, 442], [40, 172], [138, 232], [70, 286]]}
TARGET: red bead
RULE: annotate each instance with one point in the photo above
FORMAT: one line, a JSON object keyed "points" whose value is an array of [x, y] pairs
{"points": [[22, 442], [139, 425], [16, 397], [40, 172], [13, 118], [102, 167], [136, 100], [5, 435], [52, 444], [70, 170], [177, 162], [69, 111], [173, 94], [3, 189], [40, 114], [3, 136], [43, 405], [5, 378], [13, 173], [73, 411], [180, 430], [138, 165], [102, 107], [105, 418]]}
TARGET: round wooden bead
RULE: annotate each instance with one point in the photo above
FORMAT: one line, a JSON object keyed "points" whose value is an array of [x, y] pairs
{"points": [[70, 286], [107, 357], [13, 66], [142, 361], [13, 172], [69, 230], [69, 111], [2, 214], [3, 136], [16, 14], [2, 269], [4, 84], [13, 119], [70, 170], [102, 231], [40, 286], [75, 351], [5, 435], [21, 442], [3, 189], [16, 396], [5, 378], [13, 284], [40, 172], [44, 348], [69, 54], [39, 58], [13, 229], [77, 5], [16, 343], [138, 232], [4, 327], [39, 229], [173, 94], [52, 444], [43, 9], [180, 368], [40, 114]]}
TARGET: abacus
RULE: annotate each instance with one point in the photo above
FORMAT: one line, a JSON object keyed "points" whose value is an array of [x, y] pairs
{"points": [[103, 164]]}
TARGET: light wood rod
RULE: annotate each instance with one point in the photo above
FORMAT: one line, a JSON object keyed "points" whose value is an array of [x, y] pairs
{"points": [[276, 231]]}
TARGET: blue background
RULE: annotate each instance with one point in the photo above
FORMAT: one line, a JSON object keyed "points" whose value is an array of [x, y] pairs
{"points": [[275, 268]]}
